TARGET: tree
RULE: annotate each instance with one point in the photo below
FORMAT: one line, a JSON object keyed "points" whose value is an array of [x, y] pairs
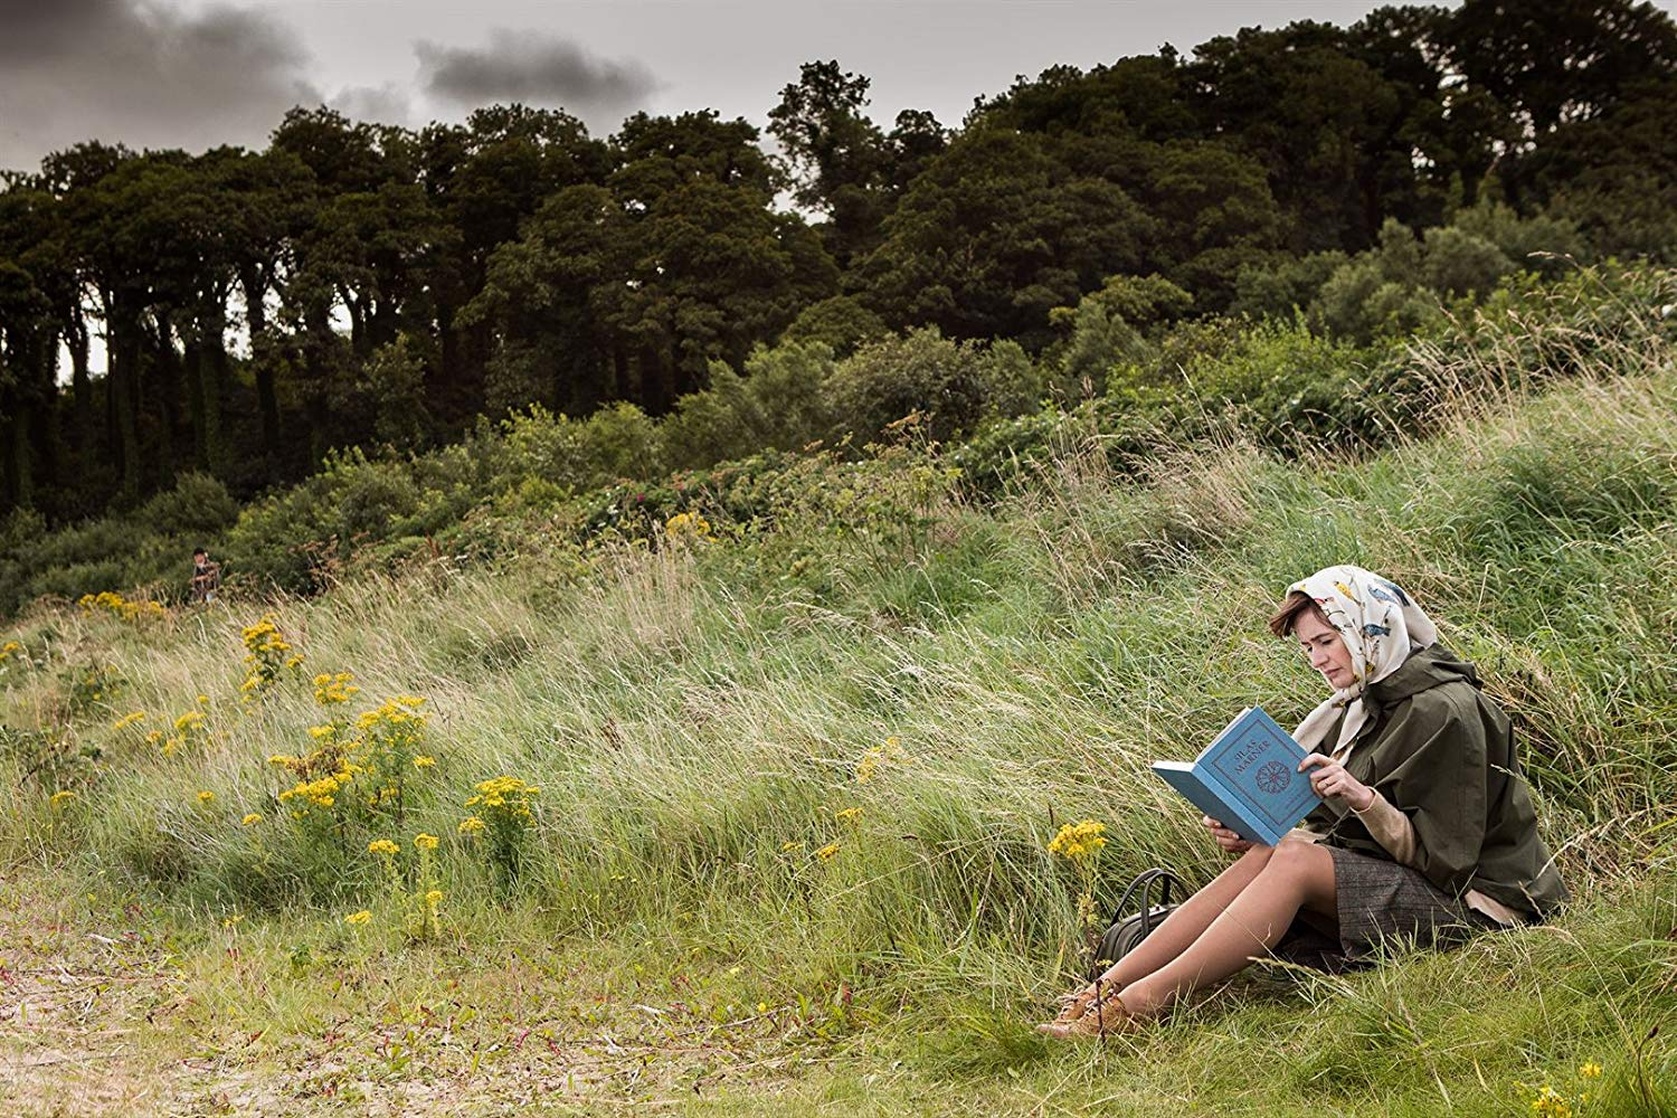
{"points": [[1615, 175], [1322, 121], [542, 302], [995, 233], [841, 161], [1553, 62], [705, 268], [487, 178]]}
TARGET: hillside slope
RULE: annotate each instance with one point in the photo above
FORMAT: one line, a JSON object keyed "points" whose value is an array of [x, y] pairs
{"points": [[762, 806]]}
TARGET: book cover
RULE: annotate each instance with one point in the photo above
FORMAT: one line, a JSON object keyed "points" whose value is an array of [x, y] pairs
{"points": [[1248, 778]]}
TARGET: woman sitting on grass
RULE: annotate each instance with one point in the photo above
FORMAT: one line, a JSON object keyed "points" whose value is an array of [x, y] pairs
{"points": [[1426, 830]]}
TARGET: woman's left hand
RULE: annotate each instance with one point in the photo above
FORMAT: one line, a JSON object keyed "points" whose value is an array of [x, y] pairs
{"points": [[1330, 780]]}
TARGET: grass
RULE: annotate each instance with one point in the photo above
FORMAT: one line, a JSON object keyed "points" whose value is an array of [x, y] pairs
{"points": [[698, 921]]}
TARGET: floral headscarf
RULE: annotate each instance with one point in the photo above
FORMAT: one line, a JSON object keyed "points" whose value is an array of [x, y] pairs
{"points": [[1380, 627]]}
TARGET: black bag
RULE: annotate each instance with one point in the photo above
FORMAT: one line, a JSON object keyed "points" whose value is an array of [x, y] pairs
{"points": [[1132, 925]]}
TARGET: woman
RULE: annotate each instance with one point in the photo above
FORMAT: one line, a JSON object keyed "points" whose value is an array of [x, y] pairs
{"points": [[1426, 829]]}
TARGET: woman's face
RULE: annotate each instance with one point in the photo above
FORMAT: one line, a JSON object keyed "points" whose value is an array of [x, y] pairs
{"points": [[1325, 648]]}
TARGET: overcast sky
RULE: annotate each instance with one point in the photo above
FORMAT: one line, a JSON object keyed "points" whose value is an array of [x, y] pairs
{"points": [[194, 73]]}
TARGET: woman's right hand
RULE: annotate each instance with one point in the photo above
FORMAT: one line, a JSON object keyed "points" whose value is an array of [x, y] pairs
{"points": [[1224, 837]]}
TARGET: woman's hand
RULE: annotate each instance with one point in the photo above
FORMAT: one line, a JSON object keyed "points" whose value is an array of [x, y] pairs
{"points": [[1330, 780], [1225, 838]]}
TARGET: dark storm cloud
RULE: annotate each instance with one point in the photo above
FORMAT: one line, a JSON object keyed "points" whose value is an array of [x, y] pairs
{"points": [[533, 68], [32, 27], [141, 74]]}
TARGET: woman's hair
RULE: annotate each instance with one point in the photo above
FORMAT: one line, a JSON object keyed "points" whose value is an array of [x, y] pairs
{"points": [[1287, 614]]}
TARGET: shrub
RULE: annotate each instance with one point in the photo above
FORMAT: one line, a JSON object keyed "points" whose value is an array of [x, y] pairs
{"points": [[620, 441], [719, 423], [841, 323], [199, 506], [920, 372], [294, 540]]}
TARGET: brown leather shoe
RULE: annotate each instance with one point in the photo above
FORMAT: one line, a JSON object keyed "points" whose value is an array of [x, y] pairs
{"points": [[1095, 1011]]}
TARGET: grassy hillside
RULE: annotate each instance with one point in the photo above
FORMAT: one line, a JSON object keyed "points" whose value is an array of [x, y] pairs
{"points": [[774, 789]]}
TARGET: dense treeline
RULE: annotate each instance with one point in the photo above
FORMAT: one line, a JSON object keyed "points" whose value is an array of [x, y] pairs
{"points": [[355, 285]]}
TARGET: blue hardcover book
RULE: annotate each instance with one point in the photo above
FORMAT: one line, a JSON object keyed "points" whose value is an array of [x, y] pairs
{"points": [[1248, 778]]}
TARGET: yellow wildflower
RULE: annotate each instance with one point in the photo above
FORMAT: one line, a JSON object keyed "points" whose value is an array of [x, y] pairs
{"points": [[508, 794], [1550, 1102], [334, 688], [434, 898], [189, 721], [424, 762], [425, 842], [848, 815], [205, 797], [874, 760], [128, 720], [1078, 841], [1591, 1070], [251, 819], [826, 852], [471, 825], [382, 846], [687, 524], [61, 798], [203, 700], [356, 919]]}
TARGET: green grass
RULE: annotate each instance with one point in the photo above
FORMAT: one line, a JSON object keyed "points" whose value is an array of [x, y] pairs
{"points": [[697, 714]]}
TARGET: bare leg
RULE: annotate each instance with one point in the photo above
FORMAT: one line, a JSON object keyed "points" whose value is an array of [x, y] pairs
{"points": [[1295, 875], [1171, 938], [1190, 920]]}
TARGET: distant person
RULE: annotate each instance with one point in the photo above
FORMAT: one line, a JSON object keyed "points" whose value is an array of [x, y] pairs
{"points": [[1426, 831], [206, 576]]}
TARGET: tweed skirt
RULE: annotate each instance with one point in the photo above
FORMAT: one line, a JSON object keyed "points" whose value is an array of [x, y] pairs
{"points": [[1382, 906]]}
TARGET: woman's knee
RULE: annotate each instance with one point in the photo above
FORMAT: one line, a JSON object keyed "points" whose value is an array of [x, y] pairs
{"points": [[1300, 860]]}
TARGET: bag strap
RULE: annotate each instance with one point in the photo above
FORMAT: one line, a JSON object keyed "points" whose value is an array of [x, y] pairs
{"points": [[1143, 884]]}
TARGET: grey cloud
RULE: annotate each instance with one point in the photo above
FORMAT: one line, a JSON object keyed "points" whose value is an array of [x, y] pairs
{"points": [[385, 104], [533, 68], [142, 74], [32, 26]]}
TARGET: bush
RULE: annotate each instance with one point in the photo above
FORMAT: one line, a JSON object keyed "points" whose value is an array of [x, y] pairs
{"points": [[294, 540], [619, 441], [920, 372], [719, 423], [198, 506], [840, 323]]}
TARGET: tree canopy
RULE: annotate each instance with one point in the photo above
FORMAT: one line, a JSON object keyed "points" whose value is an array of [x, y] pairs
{"points": [[362, 286]]}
